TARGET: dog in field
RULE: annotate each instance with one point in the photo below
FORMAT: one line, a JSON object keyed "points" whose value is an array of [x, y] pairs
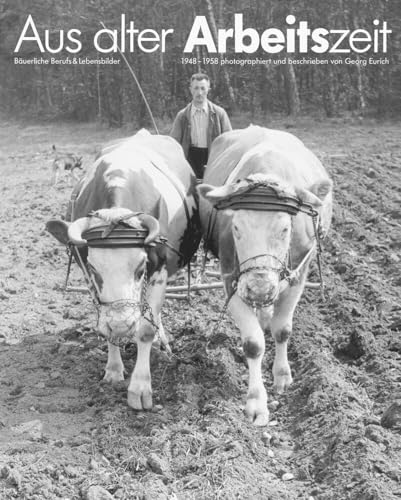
{"points": [[65, 163]]}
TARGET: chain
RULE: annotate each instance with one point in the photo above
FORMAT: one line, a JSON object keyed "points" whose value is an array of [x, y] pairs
{"points": [[318, 237], [224, 309], [146, 312], [145, 304], [69, 253]]}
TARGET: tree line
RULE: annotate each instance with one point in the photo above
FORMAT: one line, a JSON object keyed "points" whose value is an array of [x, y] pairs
{"points": [[109, 93]]}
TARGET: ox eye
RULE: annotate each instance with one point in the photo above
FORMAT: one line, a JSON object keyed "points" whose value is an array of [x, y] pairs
{"points": [[139, 273], [140, 269]]}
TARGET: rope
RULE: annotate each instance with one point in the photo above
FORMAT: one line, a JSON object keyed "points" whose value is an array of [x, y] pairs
{"points": [[316, 228], [135, 78]]}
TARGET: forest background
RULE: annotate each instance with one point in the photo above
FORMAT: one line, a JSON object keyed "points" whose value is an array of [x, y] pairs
{"points": [[108, 93]]}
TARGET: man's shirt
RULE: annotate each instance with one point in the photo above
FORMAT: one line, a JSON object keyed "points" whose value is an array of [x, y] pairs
{"points": [[199, 124], [218, 123]]}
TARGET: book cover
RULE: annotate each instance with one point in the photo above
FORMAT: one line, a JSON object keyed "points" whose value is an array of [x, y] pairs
{"points": [[78, 75]]}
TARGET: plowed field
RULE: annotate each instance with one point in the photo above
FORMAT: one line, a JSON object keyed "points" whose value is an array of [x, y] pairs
{"points": [[335, 435]]}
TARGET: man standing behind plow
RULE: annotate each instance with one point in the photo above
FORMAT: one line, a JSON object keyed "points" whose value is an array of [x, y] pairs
{"points": [[198, 124]]}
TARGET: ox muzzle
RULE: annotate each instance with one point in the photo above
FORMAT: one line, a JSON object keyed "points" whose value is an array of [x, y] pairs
{"points": [[119, 320], [259, 280]]}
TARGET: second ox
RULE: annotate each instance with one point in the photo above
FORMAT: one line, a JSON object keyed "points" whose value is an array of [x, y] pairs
{"points": [[134, 223], [265, 200]]}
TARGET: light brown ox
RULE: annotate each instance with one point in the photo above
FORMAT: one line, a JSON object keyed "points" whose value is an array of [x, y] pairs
{"points": [[141, 182], [254, 246]]}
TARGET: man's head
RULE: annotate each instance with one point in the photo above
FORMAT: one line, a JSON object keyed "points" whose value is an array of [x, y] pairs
{"points": [[199, 87]]}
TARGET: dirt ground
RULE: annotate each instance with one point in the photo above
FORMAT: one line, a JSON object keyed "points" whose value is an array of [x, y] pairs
{"points": [[335, 435]]}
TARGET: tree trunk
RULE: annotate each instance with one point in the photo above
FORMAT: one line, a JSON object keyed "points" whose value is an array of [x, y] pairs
{"points": [[291, 90], [329, 101], [359, 76], [213, 25], [99, 98], [198, 58], [359, 85], [46, 85]]}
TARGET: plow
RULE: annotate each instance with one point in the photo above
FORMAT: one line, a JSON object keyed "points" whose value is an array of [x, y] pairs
{"points": [[198, 276]]}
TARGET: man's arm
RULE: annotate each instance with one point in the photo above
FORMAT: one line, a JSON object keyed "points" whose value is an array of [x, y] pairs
{"points": [[225, 122]]}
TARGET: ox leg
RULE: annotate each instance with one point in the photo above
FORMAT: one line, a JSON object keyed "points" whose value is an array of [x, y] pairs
{"points": [[114, 367], [140, 387], [281, 327], [253, 343]]}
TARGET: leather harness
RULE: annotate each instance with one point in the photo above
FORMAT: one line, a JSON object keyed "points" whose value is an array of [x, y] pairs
{"points": [[266, 197]]}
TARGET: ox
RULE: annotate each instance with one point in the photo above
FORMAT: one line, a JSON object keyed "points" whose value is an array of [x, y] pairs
{"points": [[134, 223], [263, 196]]}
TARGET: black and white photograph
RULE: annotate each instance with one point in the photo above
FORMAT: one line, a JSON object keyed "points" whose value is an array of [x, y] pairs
{"points": [[200, 287]]}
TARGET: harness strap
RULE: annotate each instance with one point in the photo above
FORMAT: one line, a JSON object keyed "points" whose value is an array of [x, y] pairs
{"points": [[163, 241], [125, 236], [263, 200], [90, 282]]}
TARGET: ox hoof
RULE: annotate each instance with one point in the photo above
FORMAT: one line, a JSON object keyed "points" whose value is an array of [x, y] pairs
{"points": [[113, 376], [140, 399], [257, 412], [282, 381]]}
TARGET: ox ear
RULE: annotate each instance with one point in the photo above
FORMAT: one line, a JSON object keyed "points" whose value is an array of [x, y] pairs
{"points": [[308, 197], [58, 229], [213, 193], [149, 222], [322, 189], [316, 194]]}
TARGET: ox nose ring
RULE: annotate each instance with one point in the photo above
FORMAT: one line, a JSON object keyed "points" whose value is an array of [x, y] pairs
{"points": [[121, 316]]}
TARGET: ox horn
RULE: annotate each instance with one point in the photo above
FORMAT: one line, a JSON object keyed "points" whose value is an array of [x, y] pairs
{"points": [[76, 229], [152, 224]]}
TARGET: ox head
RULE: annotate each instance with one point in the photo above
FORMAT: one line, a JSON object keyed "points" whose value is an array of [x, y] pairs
{"points": [[261, 238], [118, 272]]}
